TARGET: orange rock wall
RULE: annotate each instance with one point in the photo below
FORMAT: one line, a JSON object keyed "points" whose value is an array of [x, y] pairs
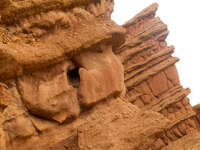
{"points": [[151, 76], [72, 79]]}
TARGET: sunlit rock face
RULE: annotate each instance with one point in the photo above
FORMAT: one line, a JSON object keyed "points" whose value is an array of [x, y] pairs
{"points": [[72, 79]]}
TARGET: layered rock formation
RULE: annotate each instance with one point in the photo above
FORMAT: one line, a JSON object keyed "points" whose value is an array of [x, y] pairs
{"points": [[72, 79], [151, 77]]}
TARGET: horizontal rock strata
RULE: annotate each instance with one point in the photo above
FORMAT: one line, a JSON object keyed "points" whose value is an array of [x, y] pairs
{"points": [[151, 78], [72, 79]]}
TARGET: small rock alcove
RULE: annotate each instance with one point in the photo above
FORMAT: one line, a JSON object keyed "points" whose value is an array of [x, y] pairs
{"points": [[74, 77]]}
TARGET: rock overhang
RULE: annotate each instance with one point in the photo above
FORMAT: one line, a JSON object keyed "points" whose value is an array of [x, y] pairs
{"points": [[29, 46], [40, 52], [13, 11]]}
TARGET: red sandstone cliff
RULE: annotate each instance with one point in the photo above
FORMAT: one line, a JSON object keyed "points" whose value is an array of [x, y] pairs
{"points": [[72, 79]]}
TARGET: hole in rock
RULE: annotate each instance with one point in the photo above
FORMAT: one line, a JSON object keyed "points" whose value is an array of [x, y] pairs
{"points": [[74, 77]]}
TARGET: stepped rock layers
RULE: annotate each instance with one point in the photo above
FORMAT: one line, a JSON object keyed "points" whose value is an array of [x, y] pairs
{"points": [[151, 77], [72, 79]]}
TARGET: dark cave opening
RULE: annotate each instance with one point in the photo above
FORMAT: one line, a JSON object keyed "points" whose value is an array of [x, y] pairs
{"points": [[74, 77]]}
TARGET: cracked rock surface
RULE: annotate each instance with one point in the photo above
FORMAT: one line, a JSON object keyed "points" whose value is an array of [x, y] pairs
{"points": [[72, 79]]}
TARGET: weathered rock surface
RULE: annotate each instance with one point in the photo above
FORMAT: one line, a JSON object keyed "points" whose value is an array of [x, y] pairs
{"points": [[189, 142], [150, 75], [101, 75], [197, 110], [72, 79], [48, 94], [118, 125]]}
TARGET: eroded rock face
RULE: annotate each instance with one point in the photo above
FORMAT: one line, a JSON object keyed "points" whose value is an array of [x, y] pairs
{"points": [[59, 62], [151, 77], [48, 94], [54, 93], [101, 75], [72, 79], [120, 125]]}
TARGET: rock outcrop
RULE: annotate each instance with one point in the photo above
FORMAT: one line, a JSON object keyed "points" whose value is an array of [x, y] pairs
{"points": [[151, 77], [72, 79]]}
